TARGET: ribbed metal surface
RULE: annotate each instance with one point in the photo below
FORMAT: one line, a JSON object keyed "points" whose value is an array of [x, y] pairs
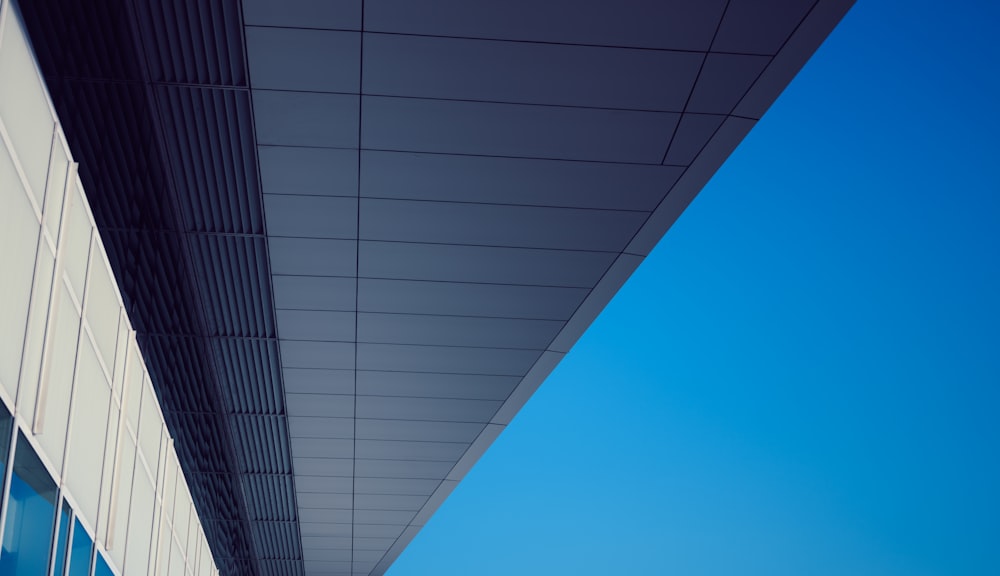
{"points": [[154, 100]]}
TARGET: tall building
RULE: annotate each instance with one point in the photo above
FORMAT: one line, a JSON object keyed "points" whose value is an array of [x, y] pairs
{"points": [[276, 274]]}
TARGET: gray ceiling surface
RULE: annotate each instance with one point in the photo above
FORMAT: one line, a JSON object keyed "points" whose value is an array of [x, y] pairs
{"points": [[453, 191]]}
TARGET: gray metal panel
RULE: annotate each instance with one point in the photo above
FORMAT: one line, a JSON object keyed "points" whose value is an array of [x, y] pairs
{"points": [[524, 181], [440, 409], [314, 293], [320, 405], [320, 500], [311, 216], [383, 516], [342, 14], [378, 530], [300, 59], [317, 381], [331, 542], [456, 330], [306, 119], [322, 448], [389, 502], [493, 225], [408, 261], [465, 299], [373, 543], [402, 486], [323, 466], [518, 130], [417, 430], [723, 82], [325, 529], [410, 450], [403, 469], [316, 325], [320, 427], [759, 26], [519, 72], [313, 257], [473, 387], [323, 484], [638, 23], [333, 355], [447, 359], [693, 132], [308, 171], [323, 515]]}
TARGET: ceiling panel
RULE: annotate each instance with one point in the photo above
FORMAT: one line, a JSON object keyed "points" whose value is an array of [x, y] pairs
{"points": [[410, 450], [373, 543], [311, 216], [342, 15], [456, 330], [517, 130], [693, 132], [378, 530], [316, 325], [524, 181], [313, 256], [465, 299], [389, 502], [636, 23], [404, 486], [447, 359], [759, 26], [329, 501], [306, 119], [409, 261], [443, 409], [323, 467], [308, 171], [332, 355], [316, 381], [331, 542], [368, 429], [322, 448], [497, 225], [325, 484], [723, 81], [402, 469], [320, 427], [528, 73], [326, 529], [320, 405], [314, 293], [477, 387], [301, 59]]}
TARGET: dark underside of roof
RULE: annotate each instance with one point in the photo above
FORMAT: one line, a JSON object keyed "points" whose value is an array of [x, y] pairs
{"points": [[154, 100]]}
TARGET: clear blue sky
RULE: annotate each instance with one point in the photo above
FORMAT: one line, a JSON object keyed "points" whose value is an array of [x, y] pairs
{"points": [[804, 377]]}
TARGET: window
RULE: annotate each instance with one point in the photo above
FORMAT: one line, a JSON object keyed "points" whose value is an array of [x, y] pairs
{"points": [[30, 515], [79, 559]]}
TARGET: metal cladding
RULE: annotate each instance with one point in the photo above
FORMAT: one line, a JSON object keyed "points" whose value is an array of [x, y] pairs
{"points": [[354, 237]]}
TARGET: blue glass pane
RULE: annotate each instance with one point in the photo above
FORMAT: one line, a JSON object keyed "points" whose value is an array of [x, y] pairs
{"points": [[101, 567], [79, 557], [5, 423], [61, 540], [29, 516]]}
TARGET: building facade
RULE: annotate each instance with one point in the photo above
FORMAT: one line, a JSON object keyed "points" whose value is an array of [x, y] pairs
{"points": [[326, 252]]}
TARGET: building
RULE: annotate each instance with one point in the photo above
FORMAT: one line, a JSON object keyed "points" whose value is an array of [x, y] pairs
{"points": [[320, 254]]}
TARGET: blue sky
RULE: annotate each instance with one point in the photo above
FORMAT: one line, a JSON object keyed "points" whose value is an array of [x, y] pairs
{"points": [[804, 376]]}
